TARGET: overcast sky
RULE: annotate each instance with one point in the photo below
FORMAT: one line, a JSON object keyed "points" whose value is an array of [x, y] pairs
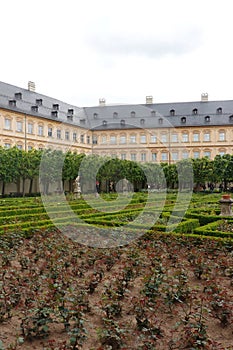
{"points": [[123, 50]]}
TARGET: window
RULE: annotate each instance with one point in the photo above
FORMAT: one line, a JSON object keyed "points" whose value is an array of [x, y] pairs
{"points": [[59, 134], [164, 138], [122, 139], [185, 154], [174, 155], [164, 156], [115, 114], [195, 111], [196, 154], [222, 152], [154, 157], [12, 103], [104, 139], [113, 139], [95, 140], [30, 128], [56, 106], [82, 121], [7, 145], [50, 132], [70, 111], [172, 112], [104, 123], [82, 138], [219, 110], [153, 113], [74, 136], [196, 137], [160, 121], [185, 137], [34, 108], [70, 118], [207, 154], [67, 135], [123, 156], [143, 157], [19, 146], [231, 119], [153, 138], [132, 114], [40, 130], [206, 136], [133, 157], [30, 148], [174, 138], [95, 115], [183, 120], [19, 126], [18, 96], [88, 139], [142, 121], [222, 136], [39, 101], [207, 119], [143, 138], [54, 114], [7, 125], [122, 122], [132, 138]]}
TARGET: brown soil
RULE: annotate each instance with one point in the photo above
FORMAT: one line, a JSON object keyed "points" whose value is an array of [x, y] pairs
{"points": [[160, 292]]}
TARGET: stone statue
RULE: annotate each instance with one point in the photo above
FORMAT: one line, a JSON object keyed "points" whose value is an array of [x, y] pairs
{"points": [[77, 187]]}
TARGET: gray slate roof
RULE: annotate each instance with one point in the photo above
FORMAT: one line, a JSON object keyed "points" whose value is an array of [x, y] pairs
{"points": [[156, 115]]}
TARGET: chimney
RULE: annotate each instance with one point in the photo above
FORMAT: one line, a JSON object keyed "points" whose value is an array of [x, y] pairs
{"points": [[31, 86], [102, 102], [149, 100], [204, 97]]}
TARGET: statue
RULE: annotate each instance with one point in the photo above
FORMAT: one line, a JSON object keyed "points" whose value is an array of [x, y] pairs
{"points": [[77, 187]]}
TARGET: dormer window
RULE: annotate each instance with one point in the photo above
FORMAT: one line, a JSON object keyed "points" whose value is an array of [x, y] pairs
{"points": [[95, 115], [12, 103], [70, 117], [82, 121], [219, 110], [34, 108], [122, 122], [160, 121], [153, 113], [132, 114], [115, 114], [104, 123], [195, 111], [54, 114], [207, 119], [142, 121], [172, 112], [39, 101], [183, 120], [70, 111], [56, 106], [231, 118], [18, 96]]}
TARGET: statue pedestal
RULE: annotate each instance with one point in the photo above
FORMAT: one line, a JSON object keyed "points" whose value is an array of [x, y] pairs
{"points": [[225, 205]]}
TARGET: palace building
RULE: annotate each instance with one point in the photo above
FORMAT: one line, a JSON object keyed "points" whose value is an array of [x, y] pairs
{"points": [[147, 132]]}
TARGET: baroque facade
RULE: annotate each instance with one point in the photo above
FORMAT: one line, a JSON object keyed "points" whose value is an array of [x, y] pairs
{"points": [[149, 132]]}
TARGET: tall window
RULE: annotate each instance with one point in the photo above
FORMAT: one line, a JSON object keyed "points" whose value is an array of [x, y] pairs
{"points": [[104, 139], [207, 154], [122, 139], [222, 136], [185, 154], [30, 128], [50, 132], [174, 138], [164, 138], [164, 156], [67, 135], [132, 138], [174, 155], [7, 124], [95, 140], [19, 126], [154, 157], [185, 137], [74, 136], [113, 139], [88, 139], [207, 136], [123, 156], [143, 157], [59, 134], [82, 138], [196, 137], [153, 138], [196, 154], [143, 138], [133, 157], [40, 130]]}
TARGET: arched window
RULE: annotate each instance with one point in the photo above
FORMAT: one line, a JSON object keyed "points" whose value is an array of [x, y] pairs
{"points": [[219, 110], [104, 123], [153, 113], [160, 120], [115, 114], [183, 120], [122, 122], [207, 119], [195, 111], [172, 112], [142, 121], [132, 114]]}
